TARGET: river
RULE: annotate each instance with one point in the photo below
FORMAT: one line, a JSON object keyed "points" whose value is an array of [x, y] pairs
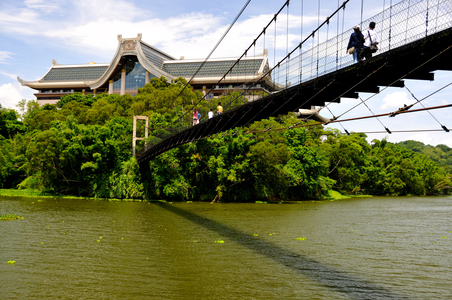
{"points": [[361, 248]]}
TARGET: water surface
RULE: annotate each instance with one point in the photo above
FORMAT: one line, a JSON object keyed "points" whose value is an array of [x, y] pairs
{"points": [[370, 248]]}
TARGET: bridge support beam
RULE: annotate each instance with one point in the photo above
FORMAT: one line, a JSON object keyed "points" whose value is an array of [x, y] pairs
{"points": [[421, 76], [146, 131], [368, 89]]}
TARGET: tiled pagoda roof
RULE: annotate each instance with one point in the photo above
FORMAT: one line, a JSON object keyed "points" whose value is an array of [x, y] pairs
{"points": [[153, 60], [215, 68], [75, 73]]}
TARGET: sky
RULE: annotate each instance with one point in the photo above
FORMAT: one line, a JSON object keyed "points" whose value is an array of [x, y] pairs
{"points": [[33, 32]]}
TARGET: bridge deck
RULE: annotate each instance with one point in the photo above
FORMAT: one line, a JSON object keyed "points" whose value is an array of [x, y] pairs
{"points": [[416, 60]]}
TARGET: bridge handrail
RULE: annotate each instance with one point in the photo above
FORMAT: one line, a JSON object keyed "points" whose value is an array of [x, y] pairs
{"points": [[398, 25]]}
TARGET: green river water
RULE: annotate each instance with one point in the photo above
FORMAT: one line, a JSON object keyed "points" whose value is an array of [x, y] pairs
{"points": [[362, 248]]}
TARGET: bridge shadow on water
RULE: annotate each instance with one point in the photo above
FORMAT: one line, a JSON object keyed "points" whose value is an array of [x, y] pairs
{"points": [[335, 279]]}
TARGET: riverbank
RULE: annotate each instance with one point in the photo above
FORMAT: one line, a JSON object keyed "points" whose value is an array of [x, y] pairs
{"points": [[30, 193]]}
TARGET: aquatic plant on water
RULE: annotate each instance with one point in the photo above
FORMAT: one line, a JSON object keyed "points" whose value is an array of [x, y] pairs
{"points": [[9, 217], [219, 241]]}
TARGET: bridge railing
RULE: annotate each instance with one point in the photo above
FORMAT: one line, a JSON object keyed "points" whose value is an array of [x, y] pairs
{"points": [[396, 26]]}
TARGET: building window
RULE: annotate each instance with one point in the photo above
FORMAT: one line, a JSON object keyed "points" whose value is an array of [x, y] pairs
{"points": [[135, 76]]}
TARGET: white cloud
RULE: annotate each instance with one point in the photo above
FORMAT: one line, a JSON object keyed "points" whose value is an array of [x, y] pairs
{"points": [[4, 56], [433, 139], [395, 100], [447, 142], [108, 10], [46, 6], [9, 95], [12, 76], [424, 137], [92, 27]]}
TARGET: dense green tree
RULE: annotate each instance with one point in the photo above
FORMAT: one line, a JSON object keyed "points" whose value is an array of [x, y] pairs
{"points": [[306, 165], [9, 125], [77, 97], [441, 154], [11, 161], [348, 158], [44, 157], [126, 182], [83, 145], [167, 180]]}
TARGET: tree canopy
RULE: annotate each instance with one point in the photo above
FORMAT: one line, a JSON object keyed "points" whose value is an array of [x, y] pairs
{"points": [[83, 146]]}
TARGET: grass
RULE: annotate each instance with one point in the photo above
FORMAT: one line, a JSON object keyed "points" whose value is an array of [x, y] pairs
{"points": [[30, 193], [26, 193], [334, 195]]}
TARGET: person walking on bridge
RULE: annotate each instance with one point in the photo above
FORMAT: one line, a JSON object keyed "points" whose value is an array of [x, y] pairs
{"points": [[219, 109], [195, 117], [370, 37], [356, 44]]}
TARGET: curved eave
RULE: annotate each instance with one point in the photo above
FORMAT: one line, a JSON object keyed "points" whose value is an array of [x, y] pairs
{"points": [[111, 68], [120, 52], [264, 64], [39, 85], [157, 50], [149, 66]]}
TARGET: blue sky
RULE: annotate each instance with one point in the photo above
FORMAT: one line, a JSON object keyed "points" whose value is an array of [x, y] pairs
{"points": [[34, 32]]}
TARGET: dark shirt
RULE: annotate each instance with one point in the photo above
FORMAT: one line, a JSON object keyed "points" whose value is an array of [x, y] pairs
{"points": [[355, 41]]}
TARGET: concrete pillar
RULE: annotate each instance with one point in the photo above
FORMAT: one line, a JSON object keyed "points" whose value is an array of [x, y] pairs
{"points": [[123, 82], [148, 77], [110, 87]]}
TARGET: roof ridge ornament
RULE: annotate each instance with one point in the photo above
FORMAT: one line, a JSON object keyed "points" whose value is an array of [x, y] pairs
{"points": [[129, 45], [137, 39]]}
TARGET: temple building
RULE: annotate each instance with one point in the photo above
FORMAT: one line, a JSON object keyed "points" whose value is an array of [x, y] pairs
{"points": [[136, 62]]}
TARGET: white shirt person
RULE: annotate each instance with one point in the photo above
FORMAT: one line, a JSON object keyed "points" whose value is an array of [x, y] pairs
{"points": [[370, 37]]}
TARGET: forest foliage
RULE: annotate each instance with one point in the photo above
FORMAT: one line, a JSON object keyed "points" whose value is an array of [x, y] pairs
{"points": [[83, 147]]}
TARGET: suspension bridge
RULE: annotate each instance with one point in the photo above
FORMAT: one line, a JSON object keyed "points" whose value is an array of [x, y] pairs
{"points": [[415, 39]]}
